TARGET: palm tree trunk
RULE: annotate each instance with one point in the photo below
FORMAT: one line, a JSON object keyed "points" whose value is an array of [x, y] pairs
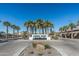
{"points": [[39, 31], [7, 32], [27, 29], [35, 30], [13, 33], [31, 30], [45, 31], [51, 29], [42, 30], [17, 34]]}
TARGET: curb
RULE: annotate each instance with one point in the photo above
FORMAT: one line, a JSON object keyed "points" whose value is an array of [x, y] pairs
{"points": [[19, 51], [60, 51]]}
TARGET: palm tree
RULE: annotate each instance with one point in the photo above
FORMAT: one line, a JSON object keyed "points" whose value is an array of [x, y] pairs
{"points": [[71, 25], [35, 27], [26, 24], [65, 28], [17, 28], [7, 24], [45, 26], [32, 26], [39, 25], [29, 24], [14, 28], [48, 25], [61, 29], [52, 26]]}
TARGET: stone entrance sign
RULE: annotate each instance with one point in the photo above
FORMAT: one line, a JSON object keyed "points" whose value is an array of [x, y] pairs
{"points": [[39, 37]]}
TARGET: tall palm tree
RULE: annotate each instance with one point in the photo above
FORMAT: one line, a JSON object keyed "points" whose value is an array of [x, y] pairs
{"points": [[51, 26], [65, 27], [29, 24], [61, 29], [32, 26], [7, 24], [26, 24], [35, 27], [71, 25], [14, 28], [45, 26], [17, 28], [48, 25], [39, 25]]}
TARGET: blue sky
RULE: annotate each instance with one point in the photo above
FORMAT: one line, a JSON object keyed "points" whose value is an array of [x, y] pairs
{"points": [[59, 14]]}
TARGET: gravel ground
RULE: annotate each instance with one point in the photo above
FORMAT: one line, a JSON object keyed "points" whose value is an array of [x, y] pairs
{"points": [[30, 51]]}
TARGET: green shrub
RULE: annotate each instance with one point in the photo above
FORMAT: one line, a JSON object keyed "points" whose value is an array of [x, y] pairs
{"points": [[34, 45], [47, 46], [40, 54], [56, 38]]}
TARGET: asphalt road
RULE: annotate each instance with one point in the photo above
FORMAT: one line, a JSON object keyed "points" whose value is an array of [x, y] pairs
{"points": [[66, 47], [13, 47]]}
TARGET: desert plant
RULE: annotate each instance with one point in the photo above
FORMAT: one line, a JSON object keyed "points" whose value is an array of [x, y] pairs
{"points": [[34, 45], [40, 49], [56, 37], [47, 46]]}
